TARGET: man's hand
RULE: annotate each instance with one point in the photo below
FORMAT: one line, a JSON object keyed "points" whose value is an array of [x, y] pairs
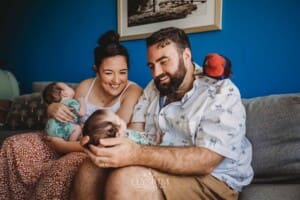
{"points": [[115, 152]]}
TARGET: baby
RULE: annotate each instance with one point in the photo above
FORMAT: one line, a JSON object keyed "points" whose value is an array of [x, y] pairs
{"points": [[105, 123], [62, 93], [217, 66]]}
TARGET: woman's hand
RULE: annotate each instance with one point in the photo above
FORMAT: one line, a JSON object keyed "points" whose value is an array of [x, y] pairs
{"points": [[60, 112], [116, 152]]}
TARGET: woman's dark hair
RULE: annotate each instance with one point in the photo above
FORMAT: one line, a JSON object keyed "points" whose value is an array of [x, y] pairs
{"points": [[165, 35], [109, 46]]}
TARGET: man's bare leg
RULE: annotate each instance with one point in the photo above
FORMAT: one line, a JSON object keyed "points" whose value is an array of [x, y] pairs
{"points": [[132, 183], [89, 182]]}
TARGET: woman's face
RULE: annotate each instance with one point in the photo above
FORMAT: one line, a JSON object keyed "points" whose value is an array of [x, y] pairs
{"points": [[113, 74]]}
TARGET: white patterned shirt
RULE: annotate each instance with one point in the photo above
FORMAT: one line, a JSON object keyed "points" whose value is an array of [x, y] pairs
{"points": [[211, 115]]}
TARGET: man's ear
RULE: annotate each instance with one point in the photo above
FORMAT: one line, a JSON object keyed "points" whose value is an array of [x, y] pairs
{"points": [[187, 55]]}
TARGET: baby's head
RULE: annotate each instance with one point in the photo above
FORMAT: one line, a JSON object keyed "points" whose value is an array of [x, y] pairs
{"points": [[57, 91], [217, 66], [103, 123]]}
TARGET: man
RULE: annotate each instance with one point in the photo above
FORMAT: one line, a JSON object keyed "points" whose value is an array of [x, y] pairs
{"points": [[202, 118]]}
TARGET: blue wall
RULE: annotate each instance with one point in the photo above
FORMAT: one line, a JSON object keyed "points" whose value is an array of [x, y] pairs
{"points": [[53, 40]]}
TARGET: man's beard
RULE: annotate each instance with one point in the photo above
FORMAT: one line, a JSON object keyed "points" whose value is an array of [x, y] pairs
{"points": [[175, 80]]}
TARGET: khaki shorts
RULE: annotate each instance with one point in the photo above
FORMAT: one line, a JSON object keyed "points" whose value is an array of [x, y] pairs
{"points": [[192, 187]]}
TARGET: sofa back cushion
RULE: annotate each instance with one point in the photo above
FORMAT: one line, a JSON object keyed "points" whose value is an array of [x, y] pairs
{"points": [[39, 86], [273, 127], [27, 112]]}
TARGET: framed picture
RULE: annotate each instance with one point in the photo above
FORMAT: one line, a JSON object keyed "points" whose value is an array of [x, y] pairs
{"points": [[137, 19]]}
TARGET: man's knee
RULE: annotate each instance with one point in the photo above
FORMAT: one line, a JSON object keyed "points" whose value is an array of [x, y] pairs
{"points": [[128, 176], [89, 181], [138, 180]]}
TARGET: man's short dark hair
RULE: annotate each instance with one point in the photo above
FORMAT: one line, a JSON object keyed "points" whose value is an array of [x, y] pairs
{"points": [[165, 35]]}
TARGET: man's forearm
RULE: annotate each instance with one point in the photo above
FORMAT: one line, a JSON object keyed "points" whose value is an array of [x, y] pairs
{"points": [[179, 160]]}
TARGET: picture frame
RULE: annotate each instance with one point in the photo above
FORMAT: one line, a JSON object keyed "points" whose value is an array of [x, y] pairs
{"points": [[137, 19]]}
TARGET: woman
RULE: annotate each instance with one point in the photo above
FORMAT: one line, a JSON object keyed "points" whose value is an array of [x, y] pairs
{"points": [[26, 160]]}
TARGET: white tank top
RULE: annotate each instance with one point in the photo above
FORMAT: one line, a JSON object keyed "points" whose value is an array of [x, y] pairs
{"points": [[90, 108]]}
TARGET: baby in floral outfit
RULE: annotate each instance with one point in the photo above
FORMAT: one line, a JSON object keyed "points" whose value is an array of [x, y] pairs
{"points": [[61, 92]]}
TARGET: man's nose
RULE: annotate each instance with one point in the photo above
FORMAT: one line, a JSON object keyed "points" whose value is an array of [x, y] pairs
{"points": [[157, 70]]}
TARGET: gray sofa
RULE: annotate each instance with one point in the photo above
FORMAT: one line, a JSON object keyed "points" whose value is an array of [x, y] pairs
{"points": [[273, 127]]}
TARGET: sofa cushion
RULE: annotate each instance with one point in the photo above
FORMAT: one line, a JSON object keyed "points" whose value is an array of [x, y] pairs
{"points": [[39, 86], [9, 87], [271, 191], [27, 112], [273, 127], [4, 108]]}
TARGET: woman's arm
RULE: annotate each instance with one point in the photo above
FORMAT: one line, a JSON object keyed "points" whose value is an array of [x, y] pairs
{"points": [[60, 145], [128, 101], [82, 88]]}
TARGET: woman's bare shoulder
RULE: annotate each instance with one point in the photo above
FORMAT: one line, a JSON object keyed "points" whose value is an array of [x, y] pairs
{"points": [[134, 88], [83, 87], [133, 91]]}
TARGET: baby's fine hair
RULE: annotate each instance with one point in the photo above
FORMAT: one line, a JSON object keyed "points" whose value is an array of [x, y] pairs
{"points": [[97, 127], [52, 93]]}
